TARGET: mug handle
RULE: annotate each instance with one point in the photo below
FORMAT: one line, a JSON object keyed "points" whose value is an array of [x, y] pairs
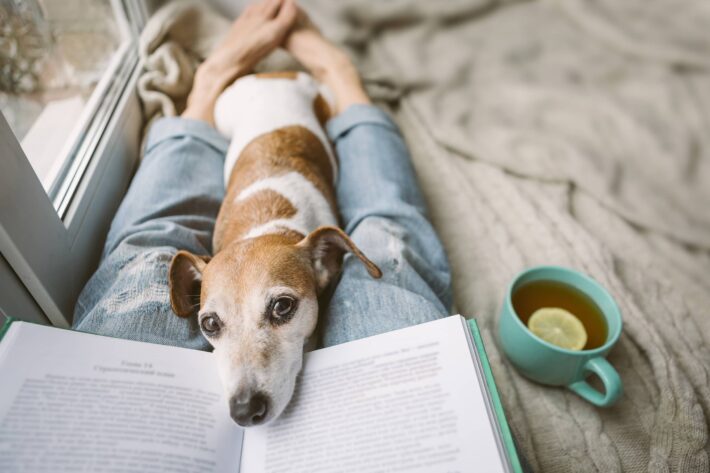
{"points": [[610, 378]]}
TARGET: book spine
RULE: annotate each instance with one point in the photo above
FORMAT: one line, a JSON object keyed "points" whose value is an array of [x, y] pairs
{"points": [[5, 326], [495, 399]]}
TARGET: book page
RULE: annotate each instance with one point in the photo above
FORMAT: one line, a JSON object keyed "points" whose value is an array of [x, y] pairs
{"points": [[83, 403], [406, 401]]}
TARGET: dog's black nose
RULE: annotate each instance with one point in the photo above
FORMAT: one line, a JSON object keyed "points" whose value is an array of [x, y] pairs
{"points": [[249, 409]]}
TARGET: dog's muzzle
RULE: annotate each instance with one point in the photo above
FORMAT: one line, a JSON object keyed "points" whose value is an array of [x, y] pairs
{"points": [[249, 408]]}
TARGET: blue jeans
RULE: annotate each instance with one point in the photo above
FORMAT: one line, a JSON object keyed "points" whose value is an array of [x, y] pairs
{"points": [[172, 204]]}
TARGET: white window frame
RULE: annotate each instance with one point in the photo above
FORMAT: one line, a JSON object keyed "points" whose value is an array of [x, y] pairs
{"points": [[52, 244]]}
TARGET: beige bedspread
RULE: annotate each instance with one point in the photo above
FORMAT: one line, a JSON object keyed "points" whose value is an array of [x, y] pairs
{"points": [[573, 133]]}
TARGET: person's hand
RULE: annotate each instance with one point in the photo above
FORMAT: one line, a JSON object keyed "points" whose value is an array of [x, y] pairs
{"points": [[326, 62], [260, 29]]}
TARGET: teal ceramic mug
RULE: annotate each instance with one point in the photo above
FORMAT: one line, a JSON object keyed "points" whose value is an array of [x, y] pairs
{"points": [[549, 364]]}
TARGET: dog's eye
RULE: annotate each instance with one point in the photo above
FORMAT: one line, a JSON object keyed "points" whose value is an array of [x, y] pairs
{"points": [[282, 308], [210, 324]]}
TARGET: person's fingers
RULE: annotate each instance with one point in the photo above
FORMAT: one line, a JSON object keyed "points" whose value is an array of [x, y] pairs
{"points": [[276, 30], [270, 8], [287, 14], [257, 7], [250, 9], [303, 20]]}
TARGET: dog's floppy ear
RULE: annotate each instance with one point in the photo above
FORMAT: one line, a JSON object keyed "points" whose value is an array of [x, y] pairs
{"points": [[327, 246], [185, 277]]}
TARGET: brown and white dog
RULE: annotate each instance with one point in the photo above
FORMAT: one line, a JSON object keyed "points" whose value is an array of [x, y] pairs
{"points": [[276, 243]]}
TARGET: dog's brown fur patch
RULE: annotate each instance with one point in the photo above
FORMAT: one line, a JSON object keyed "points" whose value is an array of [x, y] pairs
{"points": [[258, 209], [184, 287], [321, 109], [288, 149], [271, 257]]}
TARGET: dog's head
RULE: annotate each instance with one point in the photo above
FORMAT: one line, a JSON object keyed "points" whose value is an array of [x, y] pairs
{"points": [[257, 304]]}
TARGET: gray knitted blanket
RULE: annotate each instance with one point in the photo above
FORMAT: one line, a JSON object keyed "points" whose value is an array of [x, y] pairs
{"points": [[571, 132]]}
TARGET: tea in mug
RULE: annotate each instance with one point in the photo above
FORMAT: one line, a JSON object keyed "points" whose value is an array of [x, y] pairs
{"points": [[534, 295]]}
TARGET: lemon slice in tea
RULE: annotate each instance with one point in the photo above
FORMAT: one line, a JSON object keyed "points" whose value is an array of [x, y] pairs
{"points": [[559, 327]]}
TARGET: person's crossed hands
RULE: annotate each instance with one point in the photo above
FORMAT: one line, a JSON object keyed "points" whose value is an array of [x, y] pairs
{"points": [[261, 28]]}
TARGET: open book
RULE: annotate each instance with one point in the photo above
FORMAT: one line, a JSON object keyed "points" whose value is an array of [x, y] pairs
{"points": [[420, 399]]}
